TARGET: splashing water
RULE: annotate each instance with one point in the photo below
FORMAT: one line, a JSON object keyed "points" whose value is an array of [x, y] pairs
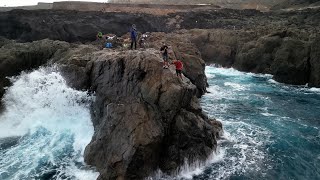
{"points": [[53, 125], [271, 130]]}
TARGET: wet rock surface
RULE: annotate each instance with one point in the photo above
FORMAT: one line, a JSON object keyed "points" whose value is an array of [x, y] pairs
{"points": [[145, 117]]}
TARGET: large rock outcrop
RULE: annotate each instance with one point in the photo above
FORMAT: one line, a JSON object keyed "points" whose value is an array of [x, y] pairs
{"points": [[181, 48], [286, 58], [145, 118]]}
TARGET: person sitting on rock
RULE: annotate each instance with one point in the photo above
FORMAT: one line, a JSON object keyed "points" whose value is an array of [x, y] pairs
{"points": [[179, 67], [133, 34], [164, 51]]}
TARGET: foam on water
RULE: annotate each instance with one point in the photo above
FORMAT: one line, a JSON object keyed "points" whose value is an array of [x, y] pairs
{"points": [[54, 123], [271, 130]]}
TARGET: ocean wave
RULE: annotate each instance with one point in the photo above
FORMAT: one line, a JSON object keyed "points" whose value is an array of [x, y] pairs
{"points": [[55, 126]]}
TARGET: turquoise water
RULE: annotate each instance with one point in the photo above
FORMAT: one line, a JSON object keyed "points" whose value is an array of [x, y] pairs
{"points": [[271, 129]]}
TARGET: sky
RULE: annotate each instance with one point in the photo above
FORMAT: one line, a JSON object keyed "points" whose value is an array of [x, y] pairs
{"points": [[34, 2]]}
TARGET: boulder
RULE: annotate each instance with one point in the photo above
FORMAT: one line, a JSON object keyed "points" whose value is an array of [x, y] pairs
{"points": [[145, 118]]}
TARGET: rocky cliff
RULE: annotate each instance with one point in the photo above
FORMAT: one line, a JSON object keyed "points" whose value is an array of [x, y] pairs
{"points": [[145, 117], [243, 39]]}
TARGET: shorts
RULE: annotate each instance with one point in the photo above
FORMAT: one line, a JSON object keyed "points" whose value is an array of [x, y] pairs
{"points": [[165, 58], [178, 71]]}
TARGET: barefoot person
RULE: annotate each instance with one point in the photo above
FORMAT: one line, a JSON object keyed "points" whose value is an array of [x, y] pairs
{"points": [[179, 67], [164, 51]]}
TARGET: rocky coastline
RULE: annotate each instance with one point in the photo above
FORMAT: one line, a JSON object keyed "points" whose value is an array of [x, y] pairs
{"points": [[228, 37], [145, 118]]}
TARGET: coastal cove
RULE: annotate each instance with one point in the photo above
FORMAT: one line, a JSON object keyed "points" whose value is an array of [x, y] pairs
{"points": [[76, 102]]}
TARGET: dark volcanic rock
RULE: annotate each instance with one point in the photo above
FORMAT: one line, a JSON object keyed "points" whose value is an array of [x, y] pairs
{"points": [[291, 62], [315, 63], [16, 57], [142, 112], [181, 48], [286, 58], [257, 56], [72, 26], [72, 65], [145, 118]]}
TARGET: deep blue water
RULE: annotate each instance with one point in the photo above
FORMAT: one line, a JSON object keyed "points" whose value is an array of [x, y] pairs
{"points": [[271, 129]]}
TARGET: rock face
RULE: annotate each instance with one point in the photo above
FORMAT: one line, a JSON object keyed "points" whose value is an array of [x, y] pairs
{"points": [[181, 48], [315, 63], [72, 26], [145, 118], [286, 58]]}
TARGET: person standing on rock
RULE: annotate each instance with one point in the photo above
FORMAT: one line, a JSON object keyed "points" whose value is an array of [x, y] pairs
{"points": [[179, 67], [133, 34], [164, 51]]}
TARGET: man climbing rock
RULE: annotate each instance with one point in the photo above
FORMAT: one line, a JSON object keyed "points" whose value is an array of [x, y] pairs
{"points": [[179, 67]]}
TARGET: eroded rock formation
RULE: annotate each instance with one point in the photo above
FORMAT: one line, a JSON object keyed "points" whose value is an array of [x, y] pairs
{"points": [[145, 118]]}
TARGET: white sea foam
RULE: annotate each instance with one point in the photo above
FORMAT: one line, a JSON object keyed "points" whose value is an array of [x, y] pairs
{"points": [[317, 90], [235, 86], [273, 81], [54, 121]]}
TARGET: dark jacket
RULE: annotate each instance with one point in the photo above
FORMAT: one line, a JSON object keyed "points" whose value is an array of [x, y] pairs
{"points": [[133, 33]]}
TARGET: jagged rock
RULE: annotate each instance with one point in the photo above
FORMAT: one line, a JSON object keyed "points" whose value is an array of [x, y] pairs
{"points": [[72, 65], [284, 57], [145, 118], [72, 26], [315, 63], [16, 57], [291, 62], [257, 56], [181, 48], [218, 46]]}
